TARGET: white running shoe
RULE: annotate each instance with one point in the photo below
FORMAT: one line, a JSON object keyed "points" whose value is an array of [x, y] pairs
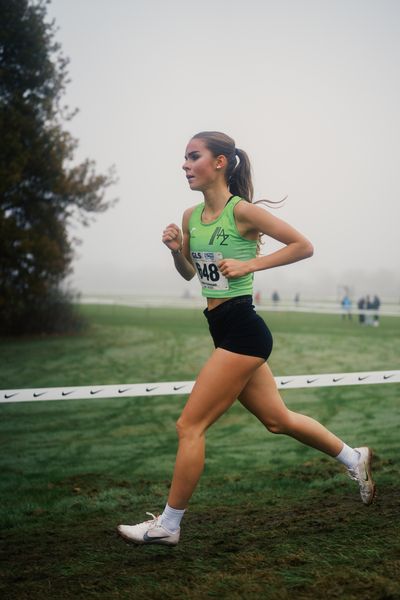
{"points": [[149, 532], [362, 474]]}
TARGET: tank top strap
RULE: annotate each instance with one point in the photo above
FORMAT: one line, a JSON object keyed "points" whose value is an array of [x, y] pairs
{"points": [[230, 207]]}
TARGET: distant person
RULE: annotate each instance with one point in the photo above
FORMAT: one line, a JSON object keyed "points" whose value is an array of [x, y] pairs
{"points": [[369, 317], [257, 298], [376, 303], [361, 307], [346, 305], [297, 299], [219, 242], [275, 297]]}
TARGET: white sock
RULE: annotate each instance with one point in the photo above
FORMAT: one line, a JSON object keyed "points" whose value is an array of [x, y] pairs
{"points": [[171, 518], [348, 456]]}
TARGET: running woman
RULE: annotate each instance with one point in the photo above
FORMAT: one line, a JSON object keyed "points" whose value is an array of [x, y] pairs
{"points": [[219, 243]]}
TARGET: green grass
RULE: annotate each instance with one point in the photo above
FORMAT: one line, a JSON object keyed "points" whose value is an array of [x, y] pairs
{"points": [[270, 519]]}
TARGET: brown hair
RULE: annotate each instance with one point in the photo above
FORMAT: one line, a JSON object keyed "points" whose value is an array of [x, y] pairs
{"points": [[238, 172]]}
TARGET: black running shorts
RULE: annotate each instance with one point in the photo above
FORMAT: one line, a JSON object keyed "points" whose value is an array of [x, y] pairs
{"points": [[235, 326]]}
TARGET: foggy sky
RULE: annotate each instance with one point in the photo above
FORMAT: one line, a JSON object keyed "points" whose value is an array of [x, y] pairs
{"points": [[309, 88]]}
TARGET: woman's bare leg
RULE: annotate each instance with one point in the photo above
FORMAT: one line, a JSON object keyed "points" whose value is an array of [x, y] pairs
{"points": [[261, 397], [218, 385]]}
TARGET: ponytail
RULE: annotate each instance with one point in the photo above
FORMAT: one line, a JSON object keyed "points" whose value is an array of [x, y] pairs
{"points": [[239, 176], [240, 181]]}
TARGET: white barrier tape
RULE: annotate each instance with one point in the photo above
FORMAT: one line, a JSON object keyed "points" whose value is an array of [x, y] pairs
{"points": [[185, 387]]}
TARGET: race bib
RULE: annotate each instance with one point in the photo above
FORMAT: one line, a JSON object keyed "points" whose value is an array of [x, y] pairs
{"points": [[207, 270]]}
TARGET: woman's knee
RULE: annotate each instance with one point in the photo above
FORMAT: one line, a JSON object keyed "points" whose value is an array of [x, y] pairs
{"points": [[180, 427], [280, 424], [186, 429]]}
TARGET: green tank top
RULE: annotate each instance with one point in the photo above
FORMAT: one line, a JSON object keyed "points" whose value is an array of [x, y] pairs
{"points": [[210, 243]]}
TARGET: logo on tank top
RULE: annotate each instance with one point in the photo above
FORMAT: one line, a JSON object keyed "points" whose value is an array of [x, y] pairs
{"points": [[218, 235]]}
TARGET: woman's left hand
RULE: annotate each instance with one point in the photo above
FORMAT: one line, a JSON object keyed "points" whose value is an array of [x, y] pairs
{"points": [[231, 267]]}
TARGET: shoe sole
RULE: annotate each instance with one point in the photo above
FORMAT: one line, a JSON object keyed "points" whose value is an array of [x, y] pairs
{"points": [[369, 473], [143, 542]]}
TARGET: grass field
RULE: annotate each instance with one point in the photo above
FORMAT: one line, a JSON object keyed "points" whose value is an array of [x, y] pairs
{"points": [[270, 519]]}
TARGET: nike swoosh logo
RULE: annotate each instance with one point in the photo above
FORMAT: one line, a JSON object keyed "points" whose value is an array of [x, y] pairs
{"points": [[178, 387], [67, 393], [93, 392], [336, 379], [147, 538], [150, 389], [388, 376], [365, 474], [285, 382], [7, 396], [312, 380], [36, 395], [361, 378], [123, 391]]}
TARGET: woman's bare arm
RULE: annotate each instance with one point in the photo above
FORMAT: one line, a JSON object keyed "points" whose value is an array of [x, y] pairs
{"points": [[179, 243]]}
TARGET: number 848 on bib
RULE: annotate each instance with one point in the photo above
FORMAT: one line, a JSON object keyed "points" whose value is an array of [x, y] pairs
{"points": [[207, 270]]}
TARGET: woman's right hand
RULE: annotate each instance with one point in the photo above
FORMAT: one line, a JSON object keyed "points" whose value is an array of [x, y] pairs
{"points": [[172, 237]]}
